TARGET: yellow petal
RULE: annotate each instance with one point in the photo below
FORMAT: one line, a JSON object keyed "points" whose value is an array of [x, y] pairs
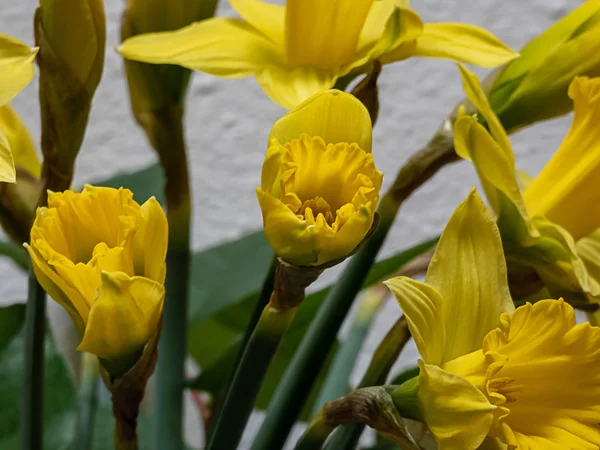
{"points": [[469, 272], [20, 141], [332, 247], [61, 292], [323, 34], [289, 236], [334, 116], [477, 96], [491, 443], [497, 173], [123, 318], [380, 37], [566, 191], [290, 86], [225, 47], [151, 242], [457, 413], [7, 165], [265, 17], [423, 307], [464, 43], [16, 67]]}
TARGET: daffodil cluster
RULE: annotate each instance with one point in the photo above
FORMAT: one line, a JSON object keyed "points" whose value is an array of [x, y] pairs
{"points": [[101, 256], [305, 47], [526, 378], [547, 224]]}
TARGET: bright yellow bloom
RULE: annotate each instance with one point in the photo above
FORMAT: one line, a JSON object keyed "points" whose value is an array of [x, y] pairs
{"points": [[303, 48], [319, 184], [102, 257], [567, 191], [534, 87], [16, 72], [529, 378], [540, 226]]}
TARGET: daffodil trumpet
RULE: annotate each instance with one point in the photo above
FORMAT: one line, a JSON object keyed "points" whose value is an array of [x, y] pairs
{"points": [[484, 364]]}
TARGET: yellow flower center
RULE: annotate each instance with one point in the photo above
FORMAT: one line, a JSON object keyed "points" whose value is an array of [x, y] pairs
{"points": [[326, 184], [541, 370]]}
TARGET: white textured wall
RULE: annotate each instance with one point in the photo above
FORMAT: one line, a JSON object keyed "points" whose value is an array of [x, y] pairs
{"points": [[228, 122]]}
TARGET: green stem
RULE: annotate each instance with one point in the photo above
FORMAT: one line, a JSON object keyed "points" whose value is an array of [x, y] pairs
{"points": [[88, 402], [337, 382], [293, 390], [248, 377], [261, 304], [386, 354], [125, 436], [33, 378], [316, 433], [167, 137]]}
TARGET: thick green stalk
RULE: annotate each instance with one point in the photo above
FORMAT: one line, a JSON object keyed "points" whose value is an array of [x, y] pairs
{"points": [[33, 378], [248, 377], [167, 137], [88, 402], [261, 303], [293, 390], [386, 354]]}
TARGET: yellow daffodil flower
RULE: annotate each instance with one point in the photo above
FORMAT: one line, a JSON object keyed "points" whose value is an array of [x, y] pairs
{"points": [[101, 256], [527, 378], [319, 184], [16, 72], [534, 86], [541, 224], [303, 48]]}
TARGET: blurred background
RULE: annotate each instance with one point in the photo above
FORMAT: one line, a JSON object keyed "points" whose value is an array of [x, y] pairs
{"points": [[227, 124]]}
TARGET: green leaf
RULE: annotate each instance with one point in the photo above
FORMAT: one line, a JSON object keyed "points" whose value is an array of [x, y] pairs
{"points": [[59, 397], [15, 252]]}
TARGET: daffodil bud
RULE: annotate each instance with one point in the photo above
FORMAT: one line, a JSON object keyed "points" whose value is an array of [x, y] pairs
{"points": [[153, 88], [18, 201], [16, 72], [534, 87], [101, 256], [319, 184], [71, 35]]}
